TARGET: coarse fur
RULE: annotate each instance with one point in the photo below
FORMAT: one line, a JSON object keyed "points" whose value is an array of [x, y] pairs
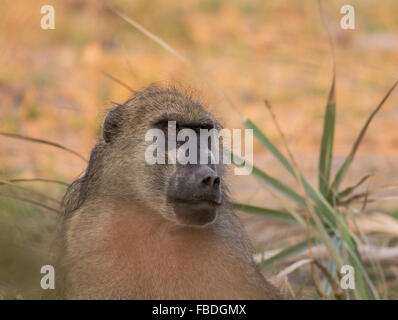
{"points": [[121, 238]]}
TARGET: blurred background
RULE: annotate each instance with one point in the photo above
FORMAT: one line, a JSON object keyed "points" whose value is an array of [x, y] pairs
{"points": [[57, 85]]}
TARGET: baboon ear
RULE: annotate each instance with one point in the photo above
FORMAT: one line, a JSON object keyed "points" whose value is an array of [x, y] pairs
{"points": [[111, 125]]}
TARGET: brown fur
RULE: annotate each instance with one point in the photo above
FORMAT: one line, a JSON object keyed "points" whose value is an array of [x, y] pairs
{"points": [[120, 238]]}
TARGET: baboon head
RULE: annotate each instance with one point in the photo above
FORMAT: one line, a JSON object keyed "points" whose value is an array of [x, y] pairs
{"points": [[189, 193]]}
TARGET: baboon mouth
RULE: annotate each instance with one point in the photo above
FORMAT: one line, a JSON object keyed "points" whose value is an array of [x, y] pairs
{"points": [[194, 202], [195, 212]]}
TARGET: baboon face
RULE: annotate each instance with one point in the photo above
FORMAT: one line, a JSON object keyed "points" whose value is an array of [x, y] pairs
{"points": [[190, 193]]}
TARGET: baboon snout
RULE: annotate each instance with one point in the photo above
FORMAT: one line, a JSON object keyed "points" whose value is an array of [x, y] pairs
{"points": [[194, 183], [195, 193]]}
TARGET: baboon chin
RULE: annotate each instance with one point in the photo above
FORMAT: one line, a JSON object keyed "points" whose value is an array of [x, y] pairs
{"points": [[194, 213], [135, 230]]}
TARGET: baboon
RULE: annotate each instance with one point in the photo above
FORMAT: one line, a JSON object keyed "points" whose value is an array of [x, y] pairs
{"points": [[165, 231]]}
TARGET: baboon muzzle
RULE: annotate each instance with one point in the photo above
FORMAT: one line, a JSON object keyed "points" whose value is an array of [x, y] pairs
{"points": [[195, 193]]}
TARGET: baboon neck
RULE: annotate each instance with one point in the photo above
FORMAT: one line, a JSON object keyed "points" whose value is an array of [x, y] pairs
{"points": [[147, 222]]}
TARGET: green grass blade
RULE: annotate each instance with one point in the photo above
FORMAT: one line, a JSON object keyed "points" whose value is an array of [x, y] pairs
{"points": [[326, 209], [331, 268], [42, 141], [349, 190], [286, 253], [278, 215], [343, 169], [356, 263], [361, 274], [36, 203], [278, 186], [271, 182], [275, 184], [323, 208], [63, 183], [326, 152], [265, 142]]}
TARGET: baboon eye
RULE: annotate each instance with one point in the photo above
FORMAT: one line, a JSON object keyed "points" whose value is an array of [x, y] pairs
{"points": [[162, 125], [180, 127]]}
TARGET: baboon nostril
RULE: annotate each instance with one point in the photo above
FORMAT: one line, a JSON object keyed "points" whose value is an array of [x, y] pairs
{"points": [[211, 181], [207, 181]]}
